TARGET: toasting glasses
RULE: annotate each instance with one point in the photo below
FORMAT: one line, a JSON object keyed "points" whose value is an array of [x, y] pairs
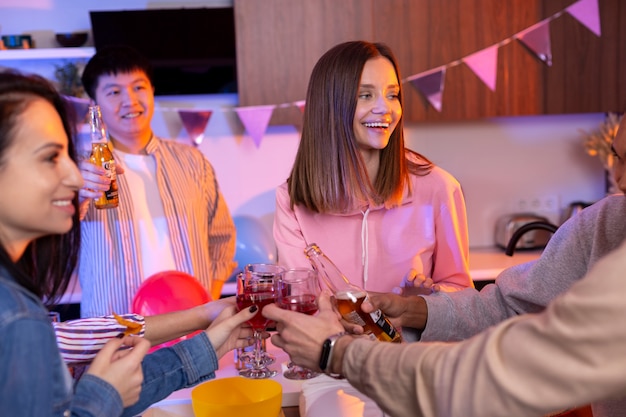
{"points": [[297, 290], [256, 286]]}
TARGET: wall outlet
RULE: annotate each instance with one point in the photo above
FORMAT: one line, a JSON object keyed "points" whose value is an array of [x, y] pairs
{"points": [[547, 205]]}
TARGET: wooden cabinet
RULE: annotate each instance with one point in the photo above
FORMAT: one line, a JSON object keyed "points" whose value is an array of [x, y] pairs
{"points": [[427, 34], [588, 73], [279, 41]]}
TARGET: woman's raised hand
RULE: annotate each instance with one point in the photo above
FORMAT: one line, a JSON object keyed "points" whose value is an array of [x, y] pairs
{"points": [[416, 283], [230, 331]]}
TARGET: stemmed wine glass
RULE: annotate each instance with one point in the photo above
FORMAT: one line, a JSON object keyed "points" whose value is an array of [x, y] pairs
{"points": [[297, 290], [255, 286]]}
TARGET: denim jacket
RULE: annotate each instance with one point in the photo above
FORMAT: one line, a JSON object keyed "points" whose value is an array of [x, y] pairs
{"points": [[34, 381]]}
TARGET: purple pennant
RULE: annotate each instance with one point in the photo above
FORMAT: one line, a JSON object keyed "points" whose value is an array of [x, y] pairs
{"points": [[195, 122], [255, 120], [484, 63], [430, 84], [537, 40], [587, 13]]}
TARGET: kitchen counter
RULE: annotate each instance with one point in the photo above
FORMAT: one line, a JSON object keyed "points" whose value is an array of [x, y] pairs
{"points": [[485, 265]]}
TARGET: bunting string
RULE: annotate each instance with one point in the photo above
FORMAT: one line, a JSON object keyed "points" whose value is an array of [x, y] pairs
{"points": [[429, 83]]}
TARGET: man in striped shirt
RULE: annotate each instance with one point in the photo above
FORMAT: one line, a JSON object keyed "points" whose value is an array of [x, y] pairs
{"points": [[171, 213]]}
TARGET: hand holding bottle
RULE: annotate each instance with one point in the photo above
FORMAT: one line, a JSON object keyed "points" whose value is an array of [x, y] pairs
{"points": [[102, 156], [96, 182], [349, 298], [403, 311]]}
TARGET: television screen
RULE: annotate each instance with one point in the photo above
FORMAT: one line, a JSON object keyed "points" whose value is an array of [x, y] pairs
{"points": [[192, 51]]}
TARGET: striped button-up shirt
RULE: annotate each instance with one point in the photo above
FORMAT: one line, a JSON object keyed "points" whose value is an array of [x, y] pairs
{"points": [[201, 229]]}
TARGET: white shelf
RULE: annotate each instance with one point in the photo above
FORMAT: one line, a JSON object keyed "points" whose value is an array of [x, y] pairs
{"points": [[47, 53]]}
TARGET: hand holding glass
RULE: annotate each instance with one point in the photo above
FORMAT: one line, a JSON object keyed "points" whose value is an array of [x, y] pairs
{"points": [[255, 286], [297, 290]]}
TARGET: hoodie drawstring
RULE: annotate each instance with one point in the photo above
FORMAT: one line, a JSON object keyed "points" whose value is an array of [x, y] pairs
{"points": [[365, 246]]}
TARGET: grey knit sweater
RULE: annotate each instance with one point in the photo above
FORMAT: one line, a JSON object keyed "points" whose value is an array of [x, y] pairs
{"points": [[527, 288]]}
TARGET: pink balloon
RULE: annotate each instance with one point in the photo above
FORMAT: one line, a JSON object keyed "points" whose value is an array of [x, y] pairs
{"points": [[169, 291]]}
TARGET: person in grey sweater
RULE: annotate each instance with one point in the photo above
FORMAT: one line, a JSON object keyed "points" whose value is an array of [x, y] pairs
{"points": [[526, 288], [571, 353]]}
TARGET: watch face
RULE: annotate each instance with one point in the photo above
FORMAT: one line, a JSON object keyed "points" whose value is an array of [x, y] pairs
{"points": [[325, 353]]}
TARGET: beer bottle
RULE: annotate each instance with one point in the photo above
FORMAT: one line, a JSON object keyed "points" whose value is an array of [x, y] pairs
{"points": [[101, 155], [349, 298]]}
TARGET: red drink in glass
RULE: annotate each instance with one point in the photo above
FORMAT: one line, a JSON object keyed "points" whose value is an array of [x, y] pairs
{"points": [[260, 299], [304, 303]]}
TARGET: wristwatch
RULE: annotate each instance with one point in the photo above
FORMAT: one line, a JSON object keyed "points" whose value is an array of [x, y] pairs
{"points": [[327, 353]]}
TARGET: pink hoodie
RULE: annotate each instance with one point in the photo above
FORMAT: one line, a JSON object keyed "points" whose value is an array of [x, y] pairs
{"points": [[375, 248]]}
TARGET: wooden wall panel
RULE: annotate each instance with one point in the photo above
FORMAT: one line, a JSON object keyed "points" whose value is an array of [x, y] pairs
{"points": [[588, 72], [279, 41], [434, 33]]}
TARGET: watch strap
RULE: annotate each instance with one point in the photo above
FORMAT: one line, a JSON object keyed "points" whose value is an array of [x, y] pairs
{"points": [[327, 352]]}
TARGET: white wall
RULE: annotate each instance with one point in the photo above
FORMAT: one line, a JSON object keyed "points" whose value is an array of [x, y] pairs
{"points": [[501, 163], [514, 164]]}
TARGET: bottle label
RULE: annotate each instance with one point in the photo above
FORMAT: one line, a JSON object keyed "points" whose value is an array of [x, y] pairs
{"points": [[384, 324], [112, 192], [353, 317]]}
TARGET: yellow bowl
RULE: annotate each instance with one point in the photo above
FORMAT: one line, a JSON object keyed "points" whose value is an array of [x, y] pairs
{"points": [[237, 397]]}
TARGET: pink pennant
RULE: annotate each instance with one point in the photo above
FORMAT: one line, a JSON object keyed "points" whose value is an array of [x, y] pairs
{"points": [[430, 84], [300, 104], [537, 40], [195, 122], [587, 13], [255, 119], [485, 65]]}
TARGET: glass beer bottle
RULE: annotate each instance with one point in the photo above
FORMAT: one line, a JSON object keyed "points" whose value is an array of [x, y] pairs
{"points": [[101, 155], [349, 298]]}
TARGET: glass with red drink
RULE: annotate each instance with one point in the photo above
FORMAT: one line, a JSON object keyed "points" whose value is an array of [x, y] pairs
{"points": [[256, 286], [297, 290]]}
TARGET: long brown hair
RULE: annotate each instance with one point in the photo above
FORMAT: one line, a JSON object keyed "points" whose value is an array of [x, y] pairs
{"points": [[47, 265], [328, 172]]}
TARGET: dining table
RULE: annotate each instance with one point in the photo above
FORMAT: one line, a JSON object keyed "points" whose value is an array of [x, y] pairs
{"points": [[178, 404]]}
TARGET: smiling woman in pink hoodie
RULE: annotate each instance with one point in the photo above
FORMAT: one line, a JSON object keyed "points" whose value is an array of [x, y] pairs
{"points": [[387, 216]]}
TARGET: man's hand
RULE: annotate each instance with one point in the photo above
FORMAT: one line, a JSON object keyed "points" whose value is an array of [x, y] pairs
{"points": [[402, 311], [301, 335]]}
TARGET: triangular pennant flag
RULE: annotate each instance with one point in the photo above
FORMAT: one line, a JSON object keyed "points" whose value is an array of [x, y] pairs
{"points": [[195, 122], [430, 84], [80, 108], [537, 40], [255, 119], [485, 65], [587, 13], [300, 104]]}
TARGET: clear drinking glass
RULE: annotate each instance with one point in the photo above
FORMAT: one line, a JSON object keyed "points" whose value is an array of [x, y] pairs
{"points": [[245, 356], [256, 286], [297, 290]]}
